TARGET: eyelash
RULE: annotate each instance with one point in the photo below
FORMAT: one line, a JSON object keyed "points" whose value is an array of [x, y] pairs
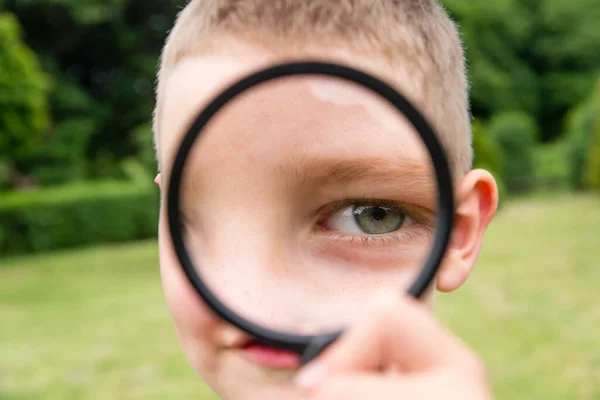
{"points": [[387, 239]]}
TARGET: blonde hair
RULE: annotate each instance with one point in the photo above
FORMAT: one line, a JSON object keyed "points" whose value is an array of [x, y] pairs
{"points": [[416, 36]]}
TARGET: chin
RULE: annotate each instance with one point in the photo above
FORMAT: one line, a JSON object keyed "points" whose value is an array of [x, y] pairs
{"points": [[239, 378]]}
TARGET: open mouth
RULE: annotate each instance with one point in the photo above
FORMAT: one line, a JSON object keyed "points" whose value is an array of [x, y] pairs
{"points": [[270, 356]]}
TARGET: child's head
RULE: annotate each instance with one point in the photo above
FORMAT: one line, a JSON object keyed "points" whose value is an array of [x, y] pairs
{"points": [[269, 202]]}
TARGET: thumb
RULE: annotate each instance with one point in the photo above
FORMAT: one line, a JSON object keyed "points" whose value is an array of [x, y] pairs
{"points": [[398, 332]]}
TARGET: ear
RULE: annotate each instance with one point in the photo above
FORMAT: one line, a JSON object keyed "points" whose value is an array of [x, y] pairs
{"points": [[157, 180], [477, 197]]}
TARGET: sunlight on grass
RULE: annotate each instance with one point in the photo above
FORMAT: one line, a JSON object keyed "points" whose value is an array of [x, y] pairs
{"points": [[92, 324]]}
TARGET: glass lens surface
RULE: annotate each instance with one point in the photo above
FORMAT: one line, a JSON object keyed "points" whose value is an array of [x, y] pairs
{"points": [[304, 197]]}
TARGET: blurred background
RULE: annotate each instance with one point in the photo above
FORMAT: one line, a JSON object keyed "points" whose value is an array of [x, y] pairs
{"points": [[81, 310]]}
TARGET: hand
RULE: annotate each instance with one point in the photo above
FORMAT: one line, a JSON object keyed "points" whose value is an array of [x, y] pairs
{"points": [[398, 351]]}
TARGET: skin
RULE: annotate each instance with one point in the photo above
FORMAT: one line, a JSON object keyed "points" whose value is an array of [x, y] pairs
{"points": [[269, 226]]}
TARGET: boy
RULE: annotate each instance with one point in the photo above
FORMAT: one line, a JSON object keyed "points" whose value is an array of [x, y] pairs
{"points": [[262, 207]]}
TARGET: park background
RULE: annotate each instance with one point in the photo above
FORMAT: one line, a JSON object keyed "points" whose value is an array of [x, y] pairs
{"points": [[81, 310]]}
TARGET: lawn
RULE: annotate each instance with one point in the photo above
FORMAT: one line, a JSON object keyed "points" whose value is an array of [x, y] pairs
{"points": [[92, 324]]}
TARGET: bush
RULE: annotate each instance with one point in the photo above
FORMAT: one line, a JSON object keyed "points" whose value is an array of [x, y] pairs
{"points": [[552, 165], [516, 133], [136, 171], [76, 215], [144, 147], [62, 157], [4, 174], [579, 127], [592, 160], [488, 155]]}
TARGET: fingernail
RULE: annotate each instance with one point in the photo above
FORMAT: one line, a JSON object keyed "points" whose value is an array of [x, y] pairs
{"points": [[311, 376]]}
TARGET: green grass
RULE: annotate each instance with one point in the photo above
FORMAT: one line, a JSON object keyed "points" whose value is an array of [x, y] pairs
{"points": [[93, 324], [531, 307], [89, 324]]}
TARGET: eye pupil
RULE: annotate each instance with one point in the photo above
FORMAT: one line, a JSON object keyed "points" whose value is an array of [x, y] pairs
{"points": [[378, 213], [378, 219]]}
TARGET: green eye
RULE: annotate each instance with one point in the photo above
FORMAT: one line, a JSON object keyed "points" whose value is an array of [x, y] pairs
{"points": [[375, 220]]}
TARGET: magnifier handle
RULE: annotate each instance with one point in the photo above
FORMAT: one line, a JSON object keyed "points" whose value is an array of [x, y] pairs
{"points": [[317, 346]]}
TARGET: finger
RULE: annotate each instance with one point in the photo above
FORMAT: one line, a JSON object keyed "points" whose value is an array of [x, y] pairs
{"points": [[398, 331], [379, 387], [438, 385]]}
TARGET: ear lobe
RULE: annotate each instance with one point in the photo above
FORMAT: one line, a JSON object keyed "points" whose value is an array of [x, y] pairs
{"points": [[157, 180], [478, 201]]}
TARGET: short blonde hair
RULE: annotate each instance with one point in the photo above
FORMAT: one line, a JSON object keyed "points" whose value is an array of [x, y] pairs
{"points": [[415, 35]]}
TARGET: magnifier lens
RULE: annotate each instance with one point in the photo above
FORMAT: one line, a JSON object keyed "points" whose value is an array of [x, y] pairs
{"points": [[302, 198]]}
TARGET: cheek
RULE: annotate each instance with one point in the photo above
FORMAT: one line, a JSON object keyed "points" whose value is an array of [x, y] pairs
{"points": [[194, 322], [429, 296]]}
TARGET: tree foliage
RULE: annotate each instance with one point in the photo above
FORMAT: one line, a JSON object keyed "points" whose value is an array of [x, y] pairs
{"points": [[23, 103], [534, 57], [102, 55]]}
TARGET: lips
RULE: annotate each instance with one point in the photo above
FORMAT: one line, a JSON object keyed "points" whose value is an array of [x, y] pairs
{"points": [[270, 356]]}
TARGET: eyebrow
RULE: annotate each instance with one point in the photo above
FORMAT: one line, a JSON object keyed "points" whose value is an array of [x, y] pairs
{"points": [[378, 171]]}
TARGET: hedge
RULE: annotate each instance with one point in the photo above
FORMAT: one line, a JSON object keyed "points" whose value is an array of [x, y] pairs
{"points": [[76, 215]]}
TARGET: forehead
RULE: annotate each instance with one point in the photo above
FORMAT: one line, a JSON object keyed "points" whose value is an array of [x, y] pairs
{"points": [[287, 120]]}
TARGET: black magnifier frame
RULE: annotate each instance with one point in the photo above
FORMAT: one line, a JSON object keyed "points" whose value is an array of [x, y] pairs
{"points": [[308, 346]]}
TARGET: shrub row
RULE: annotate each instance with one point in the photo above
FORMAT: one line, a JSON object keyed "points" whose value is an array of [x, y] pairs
{"points": [[76, 215]]}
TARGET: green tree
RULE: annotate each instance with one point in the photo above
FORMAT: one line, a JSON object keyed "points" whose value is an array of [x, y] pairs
{"points": [[565, 53], [495, 34], [102, 55], [537, 56], [23, 97]]}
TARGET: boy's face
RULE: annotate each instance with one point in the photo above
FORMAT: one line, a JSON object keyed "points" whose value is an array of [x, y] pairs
{"points": [[300, 201]]}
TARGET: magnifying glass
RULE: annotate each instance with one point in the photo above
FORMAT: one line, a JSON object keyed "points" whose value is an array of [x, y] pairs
{"points": [[383, 224]]}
